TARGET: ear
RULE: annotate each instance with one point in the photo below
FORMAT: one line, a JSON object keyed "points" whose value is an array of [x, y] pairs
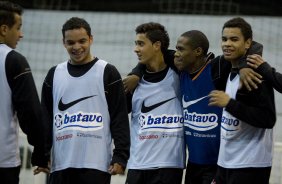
{"points": [[248, 43], [91, 38], [198, 51], [3, 30], [157, 45]]}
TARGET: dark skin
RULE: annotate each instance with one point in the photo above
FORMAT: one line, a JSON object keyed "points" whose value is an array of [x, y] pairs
{"points": [[186, 58]]}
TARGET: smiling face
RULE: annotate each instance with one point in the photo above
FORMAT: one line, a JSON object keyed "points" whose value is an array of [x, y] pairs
{"points": [[233, 44], [144, 49], [13, 34], [77, 42]]}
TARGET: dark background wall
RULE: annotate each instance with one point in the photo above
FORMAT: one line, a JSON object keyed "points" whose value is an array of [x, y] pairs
{"points": [[211, 7]]}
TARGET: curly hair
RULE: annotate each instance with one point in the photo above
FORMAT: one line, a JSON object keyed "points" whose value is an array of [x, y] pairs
{"points": [[154, 32]]}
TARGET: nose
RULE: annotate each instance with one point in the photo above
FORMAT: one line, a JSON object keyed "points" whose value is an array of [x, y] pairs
{"points": [[136, 49], [76, 46], [226, 42], [21, 35], [176, 54]]}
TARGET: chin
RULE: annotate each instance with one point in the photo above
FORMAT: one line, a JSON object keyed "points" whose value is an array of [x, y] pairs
{"points": [[228, 58], [142, 62], [178, 66]]}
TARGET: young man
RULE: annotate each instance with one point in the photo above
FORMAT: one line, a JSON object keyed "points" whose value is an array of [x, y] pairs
{"points": [[269, 73], [19, 103], [86, 105], [199, 76], [248, 117], [157, 153]]}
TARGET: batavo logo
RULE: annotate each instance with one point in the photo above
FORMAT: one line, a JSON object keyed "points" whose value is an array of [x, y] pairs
{"points": [[164, 122], [200, 122], [230, 124], [78, 121]]}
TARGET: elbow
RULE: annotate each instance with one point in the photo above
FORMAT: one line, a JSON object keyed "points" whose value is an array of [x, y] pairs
{"points": [[270, 122]]}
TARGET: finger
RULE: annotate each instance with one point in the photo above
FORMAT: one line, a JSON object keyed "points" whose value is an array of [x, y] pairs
{"points": [[246, 84], [113, 172], [257, 76], [46, 170], [252, 85], [124, 81], [212, 104], [252, 65], [212, 93], [126, 90], [36, 171], [212, 100], [256, 80]]}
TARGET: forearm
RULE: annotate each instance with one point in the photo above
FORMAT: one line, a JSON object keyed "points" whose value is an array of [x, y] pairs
{"points": [[270, 75], [119, 128], [119, 123], [256, 109]]}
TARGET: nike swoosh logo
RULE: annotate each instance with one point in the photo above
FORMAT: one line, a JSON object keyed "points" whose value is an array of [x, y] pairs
{"points": [[145, 109], [187, 104], [63, 107]]}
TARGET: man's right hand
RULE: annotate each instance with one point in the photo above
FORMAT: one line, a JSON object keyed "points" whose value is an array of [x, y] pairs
{"points": [[254, 60], [130, 82], [41, 169], [250, 78]]}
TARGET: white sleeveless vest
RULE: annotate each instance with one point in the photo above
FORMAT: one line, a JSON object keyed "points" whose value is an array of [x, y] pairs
{"points": [[9, 146], [241, 144], [157, 125], [81, 128]]}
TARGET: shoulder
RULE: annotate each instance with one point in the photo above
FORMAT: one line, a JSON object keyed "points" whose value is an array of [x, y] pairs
{"points": [[111, 69], [15, 55], [16, 64], [216, 60], [50, 75], [16, 59], [52, 70]]}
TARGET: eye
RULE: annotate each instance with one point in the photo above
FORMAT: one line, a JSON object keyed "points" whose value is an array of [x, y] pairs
{"points": [[223, 39], [139, 43], [69, 42], [234, 39], [82, 41]]}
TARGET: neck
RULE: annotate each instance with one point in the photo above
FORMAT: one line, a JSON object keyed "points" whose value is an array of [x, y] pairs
{"points": [[236, 62], [157, 64], [199, 64], [90, 58]]}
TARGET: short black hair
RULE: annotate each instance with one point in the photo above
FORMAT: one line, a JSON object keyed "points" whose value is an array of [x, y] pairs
{"points": [[76, 23], [243, 25], [8, 11], [155, 32], [197, 39]]}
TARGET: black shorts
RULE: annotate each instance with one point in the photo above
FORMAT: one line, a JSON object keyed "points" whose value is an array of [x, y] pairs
{"points": [[81, 176], [10, 175], [200, 174], [154, 176], [242, 175]]}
